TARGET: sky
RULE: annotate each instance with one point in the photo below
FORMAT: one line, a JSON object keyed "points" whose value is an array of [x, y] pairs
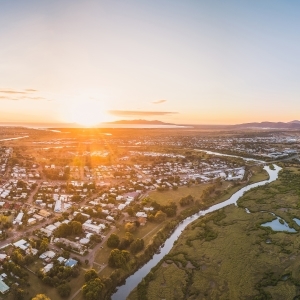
{"points": [[185, 62]]}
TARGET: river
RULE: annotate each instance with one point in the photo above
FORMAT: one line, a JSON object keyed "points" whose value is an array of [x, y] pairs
{"points": [[16, 138], [133, 280], [229, 155]]}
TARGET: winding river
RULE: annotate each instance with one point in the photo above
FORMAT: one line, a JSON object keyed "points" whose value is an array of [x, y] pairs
{"points": [[15, 138], [133, 280], [230, 155]]}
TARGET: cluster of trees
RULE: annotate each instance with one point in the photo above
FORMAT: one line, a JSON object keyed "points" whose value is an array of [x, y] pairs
{"points": [[161, 212], [18, 258], [208, 191], [5, 222], [95, 212], [115, 242], [93, 287], [186, 200], [17, 292], [118, 258], [80, 218], [72, 228], [158, 217], [58, 277], [12, 267], [40, 297], [132, 226], [57, 174], [135, 246]]}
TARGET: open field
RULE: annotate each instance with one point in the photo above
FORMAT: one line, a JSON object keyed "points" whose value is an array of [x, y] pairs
{"points": [[228, 255]]}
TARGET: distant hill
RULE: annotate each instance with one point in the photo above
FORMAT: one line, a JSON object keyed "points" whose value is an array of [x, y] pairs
{"points": [[139, 122], [292, 125], [254, 125], [273, 125]]}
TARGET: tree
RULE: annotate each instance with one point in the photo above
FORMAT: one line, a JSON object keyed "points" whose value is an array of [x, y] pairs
{"points": [[130, 211], [90, 275], [160, 216], [186, 200], [17, 257], [40, 297], [136, 246], [18, 293], [44, 245], [126, 241], [130, 227], [118, 258], [64, 290], [76, 227], [113, 241], [92, 290]]}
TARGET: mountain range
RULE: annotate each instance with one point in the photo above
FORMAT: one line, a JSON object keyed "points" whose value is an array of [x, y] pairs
{"points": [[295, 124]]}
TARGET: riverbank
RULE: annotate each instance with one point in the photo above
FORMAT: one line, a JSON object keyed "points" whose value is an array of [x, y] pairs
{"points": [[133, 280], [229, 255]]}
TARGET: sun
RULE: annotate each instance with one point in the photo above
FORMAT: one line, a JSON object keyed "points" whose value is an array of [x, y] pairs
{"points": [[87, 113]]}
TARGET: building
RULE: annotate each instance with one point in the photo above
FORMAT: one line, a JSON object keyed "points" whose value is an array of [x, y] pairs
{"points": [[22, 244], [31, 221], [3, 287], [71, 262], [19, 218], [91, 227], [47, 268]]}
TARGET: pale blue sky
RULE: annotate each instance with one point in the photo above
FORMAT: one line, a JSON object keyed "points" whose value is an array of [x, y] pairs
{"points": [[212, 61]]}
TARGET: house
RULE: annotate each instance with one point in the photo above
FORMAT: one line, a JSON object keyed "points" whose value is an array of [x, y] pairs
{"points": [[71, 262], [44, 213], [2, 257], [32, 251], [48, 254], [141, 214], [31, 221], [47, 268], [22, 244], [19, 218], [91, 227], [84, 241], [61, 259], [3, 287]]}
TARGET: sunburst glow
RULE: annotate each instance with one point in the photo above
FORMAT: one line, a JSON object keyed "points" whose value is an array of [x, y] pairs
{"points": [[85, 112]]}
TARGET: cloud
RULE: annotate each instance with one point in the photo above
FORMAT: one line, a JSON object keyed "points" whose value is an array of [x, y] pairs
{"points": [[15, 95], [158, 101], [33, 98], [12, 92], [139, 113], [7, 98], [30, 90]]}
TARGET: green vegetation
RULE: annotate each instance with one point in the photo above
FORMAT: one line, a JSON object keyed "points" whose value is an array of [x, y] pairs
{"points": [[228, 255], [41, 297], [113, 241]]}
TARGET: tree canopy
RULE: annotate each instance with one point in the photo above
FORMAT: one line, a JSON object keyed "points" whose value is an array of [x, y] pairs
{"points": [[113, 241]]}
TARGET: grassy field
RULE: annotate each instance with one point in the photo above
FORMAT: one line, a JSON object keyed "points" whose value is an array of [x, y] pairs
{"points": [[150, 229], [166, 197], [228, 255]]}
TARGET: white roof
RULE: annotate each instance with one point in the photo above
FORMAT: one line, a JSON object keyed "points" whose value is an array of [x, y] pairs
{"points": [[84, 241], [19, 243], [141, 214]]}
